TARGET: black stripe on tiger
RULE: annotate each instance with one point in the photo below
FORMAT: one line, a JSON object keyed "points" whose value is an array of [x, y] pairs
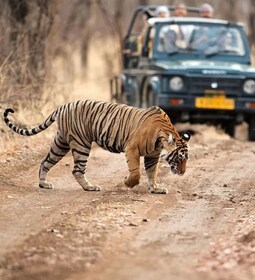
{"points": [[150, 162]]}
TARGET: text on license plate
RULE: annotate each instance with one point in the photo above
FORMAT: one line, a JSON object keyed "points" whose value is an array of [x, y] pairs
{"points": [[215, 103]]}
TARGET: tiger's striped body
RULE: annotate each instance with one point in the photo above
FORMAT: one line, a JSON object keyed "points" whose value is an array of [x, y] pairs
{"points": [[117, 128]]}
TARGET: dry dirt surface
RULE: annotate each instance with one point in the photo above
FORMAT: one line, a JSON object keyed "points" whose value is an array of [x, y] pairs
{"points": [[203, 229]]}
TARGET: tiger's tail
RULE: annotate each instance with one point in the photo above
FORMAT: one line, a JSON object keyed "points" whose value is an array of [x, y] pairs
{"points": [[29, 132]]}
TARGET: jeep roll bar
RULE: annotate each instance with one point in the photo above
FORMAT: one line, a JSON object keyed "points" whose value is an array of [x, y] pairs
{"points": [[149, 11]]}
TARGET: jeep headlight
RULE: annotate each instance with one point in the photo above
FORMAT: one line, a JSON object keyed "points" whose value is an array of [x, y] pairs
{"points": [[176, 83], [249, 86]]}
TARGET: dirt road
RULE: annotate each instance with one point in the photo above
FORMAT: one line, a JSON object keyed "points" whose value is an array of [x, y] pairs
{"points": [[203, 229]]}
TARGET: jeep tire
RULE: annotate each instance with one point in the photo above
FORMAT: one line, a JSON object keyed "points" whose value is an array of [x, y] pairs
{"points": [[251, 128], [229, 127], [150, 98]]}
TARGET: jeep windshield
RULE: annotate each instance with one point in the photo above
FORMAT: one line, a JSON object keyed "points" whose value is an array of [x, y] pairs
{"points": [[201, 39]]}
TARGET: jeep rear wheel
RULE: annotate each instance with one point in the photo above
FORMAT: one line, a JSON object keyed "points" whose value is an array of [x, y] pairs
{"points": [[149, 98], [229, 127], [251, 128]]}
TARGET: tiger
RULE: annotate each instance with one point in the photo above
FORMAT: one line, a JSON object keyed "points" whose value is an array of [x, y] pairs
{"points": [[118, 128]]}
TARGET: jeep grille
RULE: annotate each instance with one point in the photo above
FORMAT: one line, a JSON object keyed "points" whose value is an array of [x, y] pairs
{"points": [[231, 86]]}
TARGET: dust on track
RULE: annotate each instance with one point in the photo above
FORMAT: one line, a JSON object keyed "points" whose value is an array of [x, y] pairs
{"points": [[203, 229]]}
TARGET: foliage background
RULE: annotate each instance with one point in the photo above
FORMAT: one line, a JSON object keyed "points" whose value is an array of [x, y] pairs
{"points": [[55, 51]]}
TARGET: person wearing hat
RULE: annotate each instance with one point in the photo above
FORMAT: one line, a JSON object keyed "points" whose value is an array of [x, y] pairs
{"points": [[162, 11], [206, 11]]}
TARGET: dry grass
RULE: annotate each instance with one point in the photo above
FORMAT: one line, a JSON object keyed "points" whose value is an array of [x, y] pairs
{"points": [[71, 84]]}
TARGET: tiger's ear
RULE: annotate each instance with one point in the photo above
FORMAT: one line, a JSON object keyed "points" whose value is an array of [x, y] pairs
{"points": [[186, 136]]}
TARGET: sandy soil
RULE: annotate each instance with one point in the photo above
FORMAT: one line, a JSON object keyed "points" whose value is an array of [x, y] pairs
{"points": [[203, 229]]}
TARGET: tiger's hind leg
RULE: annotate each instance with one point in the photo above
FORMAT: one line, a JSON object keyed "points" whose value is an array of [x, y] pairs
{"points": [[59, 149], [151, 167], [80, 156]]}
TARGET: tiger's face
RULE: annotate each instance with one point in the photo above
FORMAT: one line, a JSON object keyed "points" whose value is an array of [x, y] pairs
{"points": [[178, 161], [178, 157]]}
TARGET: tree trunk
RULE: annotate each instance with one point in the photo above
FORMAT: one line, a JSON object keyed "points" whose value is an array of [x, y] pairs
{"points": [[31, 22]]}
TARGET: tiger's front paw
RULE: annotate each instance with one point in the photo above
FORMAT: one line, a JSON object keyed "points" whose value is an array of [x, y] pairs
{"points": [[130, 182], [158, 190], [92, 188], [126, 183], [46, 185]]}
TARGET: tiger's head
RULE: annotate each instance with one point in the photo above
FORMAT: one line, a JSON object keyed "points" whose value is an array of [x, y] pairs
{"points": [[178, 157]]}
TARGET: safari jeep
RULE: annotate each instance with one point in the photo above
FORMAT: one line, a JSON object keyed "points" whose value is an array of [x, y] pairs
{"points": [[197, 70]]}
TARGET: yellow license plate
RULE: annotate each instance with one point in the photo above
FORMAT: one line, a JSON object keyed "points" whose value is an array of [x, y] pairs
{"points": [[215, 103]]}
